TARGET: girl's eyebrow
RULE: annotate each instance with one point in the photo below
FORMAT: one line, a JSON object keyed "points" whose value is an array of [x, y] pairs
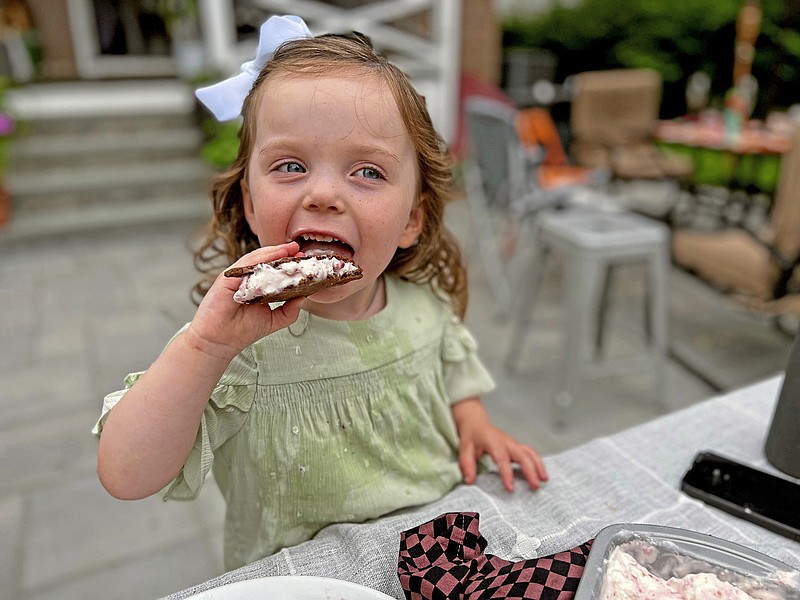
{"points": [[278, 144], [359, 149], [368, 149]]}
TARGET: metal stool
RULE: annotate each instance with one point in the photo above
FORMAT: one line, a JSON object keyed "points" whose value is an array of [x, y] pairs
{"points": [[594, 242]]}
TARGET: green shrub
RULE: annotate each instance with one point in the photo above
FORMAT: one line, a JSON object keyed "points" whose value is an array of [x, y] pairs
{"points": [[222, 142], [676, 38]]}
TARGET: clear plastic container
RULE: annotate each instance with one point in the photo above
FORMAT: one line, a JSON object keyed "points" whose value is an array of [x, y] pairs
{"points": [[674, 552]]}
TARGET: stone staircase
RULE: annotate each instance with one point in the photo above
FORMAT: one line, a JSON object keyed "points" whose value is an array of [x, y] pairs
{"points": [[104, 155]]}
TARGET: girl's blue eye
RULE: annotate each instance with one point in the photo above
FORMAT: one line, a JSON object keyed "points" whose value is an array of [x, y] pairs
{"points": [[291, 167], [369, 173]]}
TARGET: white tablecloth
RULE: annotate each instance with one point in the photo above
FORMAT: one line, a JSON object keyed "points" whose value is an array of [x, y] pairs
{"points": [[631, 477]]}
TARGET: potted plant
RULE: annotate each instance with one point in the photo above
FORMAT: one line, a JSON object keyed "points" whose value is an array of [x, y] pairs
{"points": [[182, 21]]}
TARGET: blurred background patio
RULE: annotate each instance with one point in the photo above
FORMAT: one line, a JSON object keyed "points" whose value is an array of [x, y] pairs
{"points": [[105, 160]]}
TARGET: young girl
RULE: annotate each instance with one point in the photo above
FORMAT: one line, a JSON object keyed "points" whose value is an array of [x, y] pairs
{"points": [[359, 400]]}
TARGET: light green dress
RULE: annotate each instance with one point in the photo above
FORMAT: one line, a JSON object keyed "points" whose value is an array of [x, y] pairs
{"points": [[333, 421]]}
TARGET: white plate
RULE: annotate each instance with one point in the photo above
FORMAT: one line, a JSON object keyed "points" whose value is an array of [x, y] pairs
{"points": [[297, 588]]}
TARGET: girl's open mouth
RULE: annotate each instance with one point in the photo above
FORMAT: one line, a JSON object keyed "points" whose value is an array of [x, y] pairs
{"points": [[312, 244]]}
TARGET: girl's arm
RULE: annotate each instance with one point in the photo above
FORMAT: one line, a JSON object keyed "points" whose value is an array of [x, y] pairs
{"points": [[478, 437], [150, 432]]}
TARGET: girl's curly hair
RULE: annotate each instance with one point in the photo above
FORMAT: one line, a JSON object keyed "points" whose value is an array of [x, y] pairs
{"points": [[435, 259]]}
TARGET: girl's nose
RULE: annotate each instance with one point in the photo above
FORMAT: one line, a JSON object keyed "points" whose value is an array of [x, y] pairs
{"points": [[323, 196]]}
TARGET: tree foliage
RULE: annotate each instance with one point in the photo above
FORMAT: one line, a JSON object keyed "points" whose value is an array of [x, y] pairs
{"points": [[676, 38]]}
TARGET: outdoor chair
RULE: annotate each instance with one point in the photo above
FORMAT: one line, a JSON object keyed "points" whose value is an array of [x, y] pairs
{"points": [[613, 118], [760, 267], [537, 129], [502, 189], [581, 222]]}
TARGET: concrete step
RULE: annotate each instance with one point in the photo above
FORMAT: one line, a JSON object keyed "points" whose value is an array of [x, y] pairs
{"points": [[104, 154], [90, 179], [122, 124], [91, 100], [67, 221], [106, 147]]}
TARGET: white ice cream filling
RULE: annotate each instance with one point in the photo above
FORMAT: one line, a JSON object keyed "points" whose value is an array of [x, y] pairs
{"points": [[267, 279]]}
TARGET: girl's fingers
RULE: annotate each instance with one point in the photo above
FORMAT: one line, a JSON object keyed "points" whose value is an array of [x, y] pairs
{"points": [[507, 475], [268, 253], [468, 462], [502, 459], [505, 452], [287, 313], [540, 468], [532, 468], [529, 461]]}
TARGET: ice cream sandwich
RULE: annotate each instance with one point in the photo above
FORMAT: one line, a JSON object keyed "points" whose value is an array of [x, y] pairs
{"points": [[292, 277]]}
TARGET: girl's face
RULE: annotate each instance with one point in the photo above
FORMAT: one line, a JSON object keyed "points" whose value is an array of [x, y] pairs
{"points": [[333, 168]]}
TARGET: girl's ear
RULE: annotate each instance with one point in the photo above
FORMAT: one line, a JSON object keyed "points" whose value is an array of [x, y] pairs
{"points": [[416, 220], [247, 200]]}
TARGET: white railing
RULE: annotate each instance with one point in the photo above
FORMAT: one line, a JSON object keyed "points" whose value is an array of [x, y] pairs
{"points": [[431, 60]]}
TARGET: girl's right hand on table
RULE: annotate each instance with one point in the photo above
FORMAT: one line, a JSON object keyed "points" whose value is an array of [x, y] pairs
{"points": [[223, 328]]}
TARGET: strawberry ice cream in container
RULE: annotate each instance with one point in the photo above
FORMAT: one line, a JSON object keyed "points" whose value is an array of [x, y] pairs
{"points": [[654, 562]]}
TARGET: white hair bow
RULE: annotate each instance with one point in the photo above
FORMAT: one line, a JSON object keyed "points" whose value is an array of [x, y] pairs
{"points": [[225, 98]]}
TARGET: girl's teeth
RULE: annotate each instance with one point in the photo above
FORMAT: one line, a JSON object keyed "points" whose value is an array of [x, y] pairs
{"points": [[319, 238]]}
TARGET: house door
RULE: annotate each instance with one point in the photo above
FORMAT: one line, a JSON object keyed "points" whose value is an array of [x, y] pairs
{"points": [[119, 39]]}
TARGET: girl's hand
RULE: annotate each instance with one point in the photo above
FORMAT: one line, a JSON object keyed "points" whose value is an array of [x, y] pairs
{"points": [[478, 437], [223, 328]]}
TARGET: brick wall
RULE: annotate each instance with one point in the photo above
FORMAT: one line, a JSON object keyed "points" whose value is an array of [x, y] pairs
{"points": [[52, 20], [481, 40]]}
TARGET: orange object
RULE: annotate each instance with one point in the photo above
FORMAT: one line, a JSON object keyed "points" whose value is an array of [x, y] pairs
{"points": [[535, 127], [748, 25]]}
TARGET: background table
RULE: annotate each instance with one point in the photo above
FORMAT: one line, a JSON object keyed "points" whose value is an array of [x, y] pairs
{"points": [[749, 161], [631, 477]]}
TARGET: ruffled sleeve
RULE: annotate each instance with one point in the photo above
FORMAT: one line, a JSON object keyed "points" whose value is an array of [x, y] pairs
{"points": [[111, 400], [224, 415], [464, 374]]}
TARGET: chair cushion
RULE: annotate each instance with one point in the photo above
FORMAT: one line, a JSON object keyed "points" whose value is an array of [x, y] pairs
{"points": [[552, 176], [535, 126], [640, 161], [591, 155], [616, 107], [732, 260], [635, 161]]}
